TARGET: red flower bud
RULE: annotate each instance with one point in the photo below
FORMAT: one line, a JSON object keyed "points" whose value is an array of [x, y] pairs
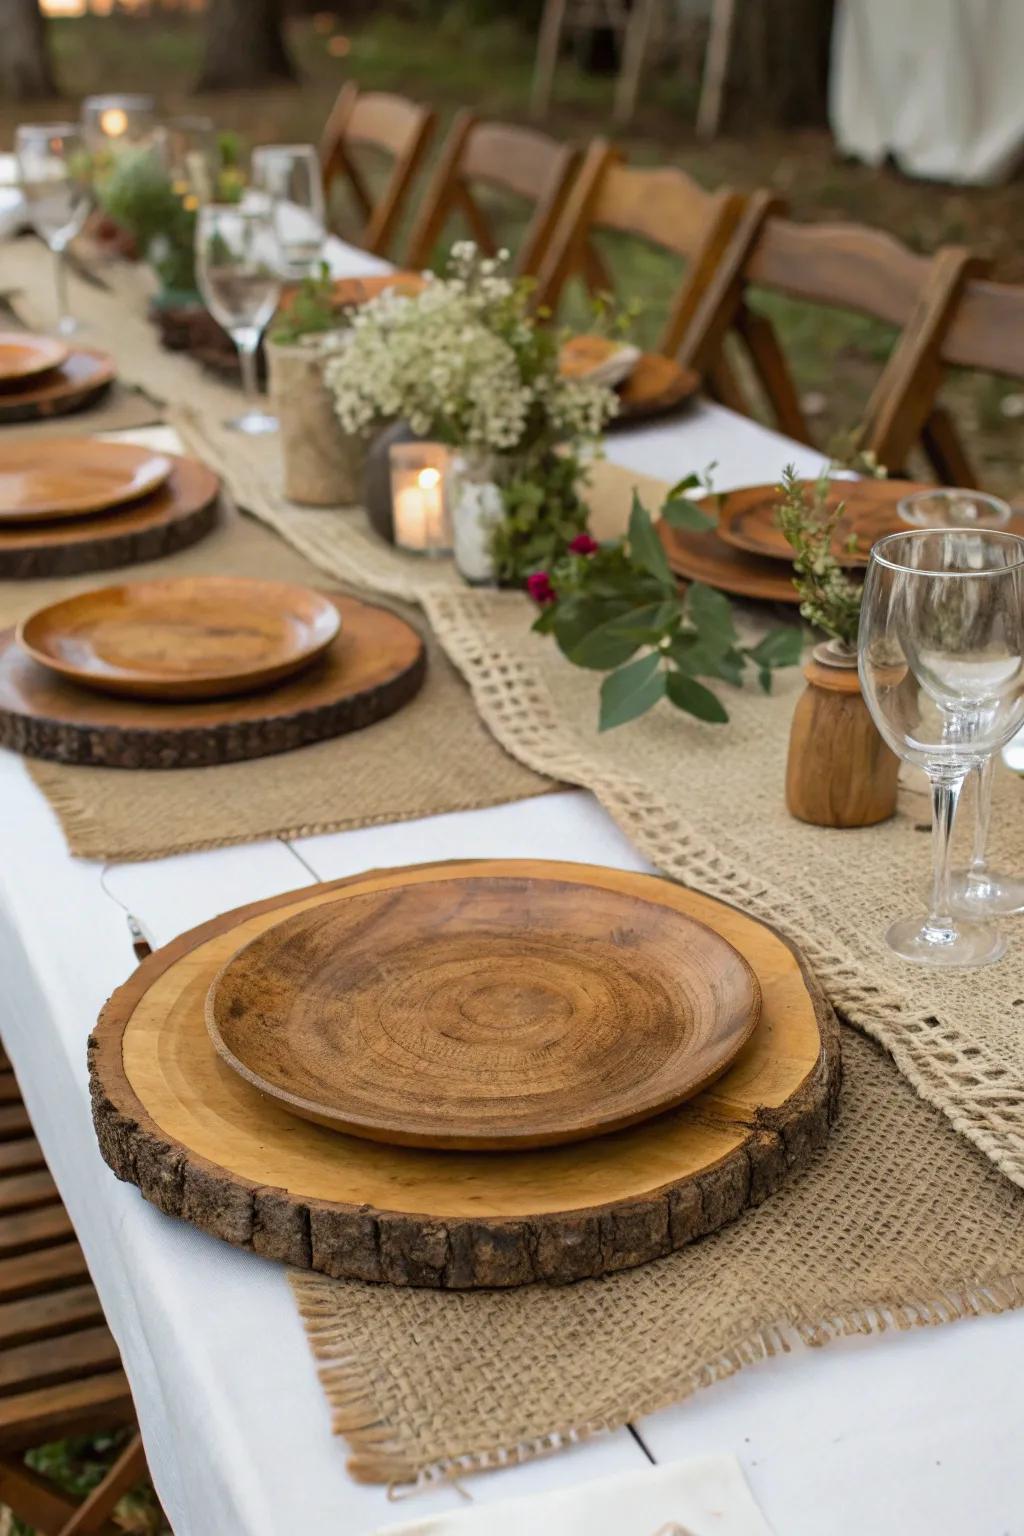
{"points": [[540, 589], [583, 544]]}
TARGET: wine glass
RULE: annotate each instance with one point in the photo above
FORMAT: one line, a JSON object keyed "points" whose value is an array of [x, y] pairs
{"points": [[54, 172], [977, 890], [941, 653], [237, 267], [289, 175]]}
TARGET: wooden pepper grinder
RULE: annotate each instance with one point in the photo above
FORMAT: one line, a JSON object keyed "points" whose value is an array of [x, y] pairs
{"points": [[840, 773]]}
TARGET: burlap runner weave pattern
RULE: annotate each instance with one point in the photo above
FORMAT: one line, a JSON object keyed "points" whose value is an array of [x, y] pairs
{"points": [[899, 1223]]}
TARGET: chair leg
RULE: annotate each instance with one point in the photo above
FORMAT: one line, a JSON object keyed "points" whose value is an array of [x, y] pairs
{"points": [[127, 1472], [34, 1499], [634, 54], [547, 56]]}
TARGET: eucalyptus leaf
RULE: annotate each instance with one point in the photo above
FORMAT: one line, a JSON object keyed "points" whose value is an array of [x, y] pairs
{"points": [[693, 655], [695, 699], [631, 691], [645, 547], [780, 648], [680, 512], [710, 613]]}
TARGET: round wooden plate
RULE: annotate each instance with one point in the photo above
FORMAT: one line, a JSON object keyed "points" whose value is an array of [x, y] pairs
{"points": [[177, 514], [23, 356], [375, 665], [746, 518], [192, 638], [76, 384], [490, 1013], [73, 476], [705, 557], [656, 386], [204, 1145]]}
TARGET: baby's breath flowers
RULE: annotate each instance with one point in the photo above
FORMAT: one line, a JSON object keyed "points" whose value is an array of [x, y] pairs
{"points": [[465, 361]]}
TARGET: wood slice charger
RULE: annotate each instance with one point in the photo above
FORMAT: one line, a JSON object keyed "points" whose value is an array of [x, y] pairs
{"points": [[178, 513], [76, 383], [376, 664], [201, 1143]]}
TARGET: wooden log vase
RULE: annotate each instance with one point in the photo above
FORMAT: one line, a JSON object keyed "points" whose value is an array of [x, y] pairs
{"points": [[840, 773]]}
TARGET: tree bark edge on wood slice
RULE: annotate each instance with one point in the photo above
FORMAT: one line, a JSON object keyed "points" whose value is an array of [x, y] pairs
{"points": [[358, 1241]]}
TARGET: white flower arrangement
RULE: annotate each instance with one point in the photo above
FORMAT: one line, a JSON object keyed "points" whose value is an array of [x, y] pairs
{"points": [[465, 362]]}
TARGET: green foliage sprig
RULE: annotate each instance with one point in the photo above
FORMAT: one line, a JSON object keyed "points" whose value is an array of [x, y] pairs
{"points": [[829, 599], [311, 311], [605, 603]]}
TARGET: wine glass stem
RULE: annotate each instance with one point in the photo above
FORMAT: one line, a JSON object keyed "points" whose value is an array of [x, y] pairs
{"points": [[60, 272], [982, 813], [945, 798], [247, 340]]}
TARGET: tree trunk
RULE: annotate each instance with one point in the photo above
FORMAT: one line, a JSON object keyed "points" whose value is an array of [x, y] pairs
{"points": [[25, 73], [777, 73], [244, 45]]}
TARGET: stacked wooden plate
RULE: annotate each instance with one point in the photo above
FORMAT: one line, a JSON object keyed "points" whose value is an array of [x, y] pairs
{"points": [[200, 670], [648, 384], [467, 1074], [78, 504], [42, 377], [747, 555]]}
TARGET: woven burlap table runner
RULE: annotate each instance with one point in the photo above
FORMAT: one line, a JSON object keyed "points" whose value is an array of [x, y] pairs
{"points": [[899, 1222]]}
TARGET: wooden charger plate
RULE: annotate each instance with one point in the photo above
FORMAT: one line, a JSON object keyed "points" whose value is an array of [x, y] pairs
{"points": [[78, 382], [23, 356], [203, 1144], [656, 386], [178, 513], [191, 638], [490, 1013], [747, 518], [73, 476], [376, 664], [705, 557]]}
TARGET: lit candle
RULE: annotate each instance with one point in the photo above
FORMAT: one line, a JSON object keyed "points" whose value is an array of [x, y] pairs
{"points": [[114, 122], [419, 510]]}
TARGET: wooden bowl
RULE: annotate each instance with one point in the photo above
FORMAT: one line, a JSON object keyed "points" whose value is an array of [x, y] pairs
{"points": [[505, 1011], [191, 638]]}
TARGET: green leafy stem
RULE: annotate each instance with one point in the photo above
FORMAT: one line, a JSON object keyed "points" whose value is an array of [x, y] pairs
{"points": [[605, 603]]}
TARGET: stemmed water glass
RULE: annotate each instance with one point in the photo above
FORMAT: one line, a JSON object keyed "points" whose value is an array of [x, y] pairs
{"points": [[238, 270], [941, 655], [289, 175], [54, 173], [977, 891]]}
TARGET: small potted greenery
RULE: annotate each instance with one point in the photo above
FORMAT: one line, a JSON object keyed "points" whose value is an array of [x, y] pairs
{"points": [[323, 464], [839, 772]]}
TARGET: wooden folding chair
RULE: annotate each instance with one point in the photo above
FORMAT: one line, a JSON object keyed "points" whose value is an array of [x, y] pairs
{"points": [[985, 332], [529, 165], [60, 1372], [663, 207], [391, 125], [841, 266]]}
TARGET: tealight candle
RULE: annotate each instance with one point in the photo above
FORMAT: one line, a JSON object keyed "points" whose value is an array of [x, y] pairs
{"points": [[109, 122], [418, 505]]}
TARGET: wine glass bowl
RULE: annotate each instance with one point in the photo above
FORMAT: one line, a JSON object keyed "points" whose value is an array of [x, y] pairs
{"points": [[55, 178], [289, 176], [941, 655], [238, 271], [950, 507]]}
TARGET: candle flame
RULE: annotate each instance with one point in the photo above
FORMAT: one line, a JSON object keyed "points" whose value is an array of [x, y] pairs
{"points": [[428, 478], [114, 122]]}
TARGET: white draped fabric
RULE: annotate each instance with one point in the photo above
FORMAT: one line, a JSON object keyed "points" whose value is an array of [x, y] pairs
{"points": [[936, 84]]}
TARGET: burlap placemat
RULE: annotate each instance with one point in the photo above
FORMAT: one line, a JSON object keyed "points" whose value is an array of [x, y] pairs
{"points": [[434, 755], [898, 1224]]}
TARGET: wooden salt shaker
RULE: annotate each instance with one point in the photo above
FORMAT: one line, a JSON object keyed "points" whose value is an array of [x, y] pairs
{"points": [[840, 773]]}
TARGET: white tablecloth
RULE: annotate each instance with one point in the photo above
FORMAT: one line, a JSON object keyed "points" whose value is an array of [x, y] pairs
{"points": [[904, 1436], [934, 83]]}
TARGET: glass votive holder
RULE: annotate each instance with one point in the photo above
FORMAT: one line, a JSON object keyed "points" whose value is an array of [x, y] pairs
{"points": [[187, 148], [110, 123], [419, 504], [949, 507]]}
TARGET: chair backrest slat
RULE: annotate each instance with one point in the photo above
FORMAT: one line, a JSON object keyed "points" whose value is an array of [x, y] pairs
{"points": [[987, 329], [523, 162], [844, 265], [395, 126], [661, 206]]}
